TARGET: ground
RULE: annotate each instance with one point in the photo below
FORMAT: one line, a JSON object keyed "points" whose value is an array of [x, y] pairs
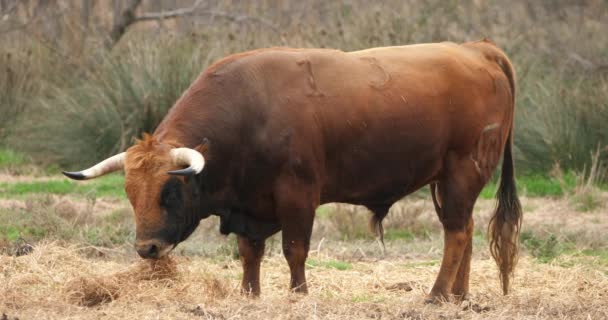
{"points": [[82, 265]]}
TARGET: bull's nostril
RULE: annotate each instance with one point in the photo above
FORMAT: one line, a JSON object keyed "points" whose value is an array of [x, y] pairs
{"points": [[148, 251], [153, 251]]}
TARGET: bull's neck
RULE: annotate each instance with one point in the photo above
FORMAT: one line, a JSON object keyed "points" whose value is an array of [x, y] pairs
{"points": [[177, 135]]}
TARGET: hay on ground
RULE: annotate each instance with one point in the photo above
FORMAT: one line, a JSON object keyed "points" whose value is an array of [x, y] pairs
{"points": [[91, 291]]}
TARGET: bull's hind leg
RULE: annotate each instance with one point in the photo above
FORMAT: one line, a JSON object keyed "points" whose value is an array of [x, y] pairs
{"points": [[251, 253], [458, 190], [460, 288]]}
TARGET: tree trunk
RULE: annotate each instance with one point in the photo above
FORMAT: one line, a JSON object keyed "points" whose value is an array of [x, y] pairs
{"points": [[122, 19]]}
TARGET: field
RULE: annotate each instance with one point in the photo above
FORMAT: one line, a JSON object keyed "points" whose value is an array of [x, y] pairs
{"points": [[80, 80], [67, 253]]}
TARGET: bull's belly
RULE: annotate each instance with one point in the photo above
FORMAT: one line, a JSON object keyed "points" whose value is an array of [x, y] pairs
{"points": [[383, 184]]}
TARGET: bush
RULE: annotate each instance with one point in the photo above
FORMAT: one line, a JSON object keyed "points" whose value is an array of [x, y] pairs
{"points": [[128, 93], [561, 117], [545, 249], [15, 88]]}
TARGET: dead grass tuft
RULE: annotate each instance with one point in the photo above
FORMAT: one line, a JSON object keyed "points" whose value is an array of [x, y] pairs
{"points": [[216, 289], [162, 269], [91, 291], [56, 282]]}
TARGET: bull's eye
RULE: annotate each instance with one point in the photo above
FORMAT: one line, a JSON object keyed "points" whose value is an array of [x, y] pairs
{"points": [[171, 195]]}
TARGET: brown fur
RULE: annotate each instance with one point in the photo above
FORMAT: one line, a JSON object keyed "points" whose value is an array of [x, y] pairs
{"points": [[145, 154], [146, 166], [290, 129]]}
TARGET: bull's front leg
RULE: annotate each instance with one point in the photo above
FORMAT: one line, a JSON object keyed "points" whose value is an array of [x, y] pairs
{"points": [[251, 253], [296, 252], [297, 229], [295, 204]]}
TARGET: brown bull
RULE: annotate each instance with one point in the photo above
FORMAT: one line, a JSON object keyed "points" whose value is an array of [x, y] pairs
{"points": [[269, 135]]}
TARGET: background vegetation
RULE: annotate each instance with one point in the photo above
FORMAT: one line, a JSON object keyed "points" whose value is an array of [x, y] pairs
{"points": [[74, 89], [79, 79]]}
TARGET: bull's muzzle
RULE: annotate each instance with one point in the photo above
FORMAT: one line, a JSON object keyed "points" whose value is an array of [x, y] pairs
{"points": [[153, 249]]}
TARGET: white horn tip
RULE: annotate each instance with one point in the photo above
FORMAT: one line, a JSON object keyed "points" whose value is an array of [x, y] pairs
{"points": [[189, 157]]}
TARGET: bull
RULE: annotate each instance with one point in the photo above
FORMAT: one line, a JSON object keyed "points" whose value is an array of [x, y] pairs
{"points": [[262, 138]]}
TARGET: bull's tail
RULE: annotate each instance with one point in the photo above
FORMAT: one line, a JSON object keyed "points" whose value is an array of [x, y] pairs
{"points": [[505, 225]]}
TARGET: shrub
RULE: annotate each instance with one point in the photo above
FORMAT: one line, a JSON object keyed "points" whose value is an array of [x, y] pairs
{"points": [[544, 249], [128, 93], [561, 118], [15, 89]]}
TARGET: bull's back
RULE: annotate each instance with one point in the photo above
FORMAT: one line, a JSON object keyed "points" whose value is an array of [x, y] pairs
{"points": [[378, 122]]}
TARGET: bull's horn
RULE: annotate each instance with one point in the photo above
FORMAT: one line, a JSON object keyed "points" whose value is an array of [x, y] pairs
{"points": [[187, 157], [111, 164]]}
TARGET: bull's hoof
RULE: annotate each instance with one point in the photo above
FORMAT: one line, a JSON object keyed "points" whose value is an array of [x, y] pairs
{"points": [[443, 298], [250, 293], [300, 291], [435, 299], [462, 297]]}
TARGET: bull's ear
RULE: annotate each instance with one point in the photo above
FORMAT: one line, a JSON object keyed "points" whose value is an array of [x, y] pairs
{"points": [[203, 148]]}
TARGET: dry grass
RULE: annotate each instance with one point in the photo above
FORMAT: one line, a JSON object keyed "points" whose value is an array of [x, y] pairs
{"points": [[61, 282], [348, 279], [91, 291]]}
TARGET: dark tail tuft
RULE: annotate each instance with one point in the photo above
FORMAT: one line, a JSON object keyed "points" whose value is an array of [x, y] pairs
{"points": [[505, 225]]}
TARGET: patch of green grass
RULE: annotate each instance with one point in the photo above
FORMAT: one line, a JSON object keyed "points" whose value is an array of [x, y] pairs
{"points": [[324, 211], [11, 158], [51, 186], [489, 191], [422, 264], [14, 233], [545, 249], [10, 232], [329, 264], [595, 258], [109, 186], [601, 254], [17, 225], [535, 186]]}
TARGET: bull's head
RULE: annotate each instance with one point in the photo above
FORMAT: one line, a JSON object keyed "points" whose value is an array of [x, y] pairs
{"points": [[163, 193]]}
